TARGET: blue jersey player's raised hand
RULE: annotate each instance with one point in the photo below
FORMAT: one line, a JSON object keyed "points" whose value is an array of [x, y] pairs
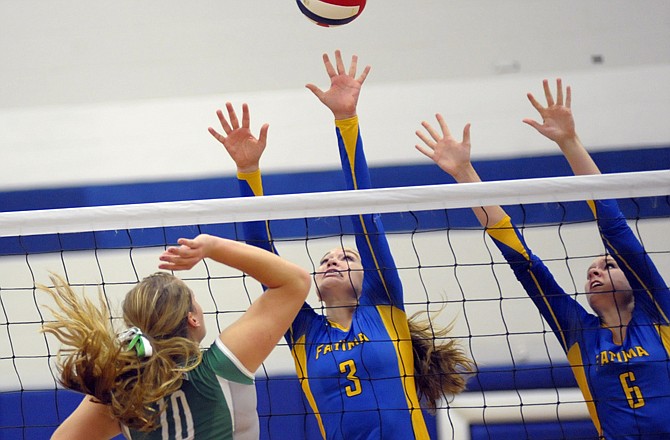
{"points": [[620, 355]]}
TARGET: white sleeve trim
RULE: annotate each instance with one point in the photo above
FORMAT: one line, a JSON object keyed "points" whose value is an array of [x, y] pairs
{"points": [[229, 354]]}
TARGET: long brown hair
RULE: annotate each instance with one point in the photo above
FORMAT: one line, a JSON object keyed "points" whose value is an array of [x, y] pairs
{"points": [[441, 366], [92, 359]]}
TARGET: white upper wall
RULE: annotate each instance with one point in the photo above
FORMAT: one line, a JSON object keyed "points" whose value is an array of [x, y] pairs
{"points": [[77, 51], [124, 91], [167, 139]]}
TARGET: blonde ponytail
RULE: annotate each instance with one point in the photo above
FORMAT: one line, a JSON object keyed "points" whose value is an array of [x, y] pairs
{"points": [[93, 360]]}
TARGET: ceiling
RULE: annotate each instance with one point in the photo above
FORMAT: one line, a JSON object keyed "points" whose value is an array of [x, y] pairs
{"points": [[68, 52]]}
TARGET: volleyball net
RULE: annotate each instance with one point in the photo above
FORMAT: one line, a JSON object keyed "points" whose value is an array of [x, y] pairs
{"points": [[445, 260]]}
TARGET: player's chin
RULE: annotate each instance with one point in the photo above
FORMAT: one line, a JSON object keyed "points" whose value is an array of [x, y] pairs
{"points": [[603, 290], [323, 280], [332, 282]]}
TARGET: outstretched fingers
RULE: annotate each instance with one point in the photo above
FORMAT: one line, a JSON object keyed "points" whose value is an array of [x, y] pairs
{"points": [[232, 116], [532, 122], [428, 152], [562, 99], [443, 125], [364, 74], [329, 66], [560, 96], [428, 147], [230, 124], [430, 142], [218, 136], [568, 97], [547, 93], [316, 90], [433, 132], [422, 135], [339, 62], [353, 66], [245, 116], [466, 134], [263, 136], [223, 121], [181, 257], [559, 91], [539, 107], [170, 259], [452, 155]]}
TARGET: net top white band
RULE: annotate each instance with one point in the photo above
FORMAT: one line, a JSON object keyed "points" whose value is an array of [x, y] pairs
{"points": [[326, 204]]}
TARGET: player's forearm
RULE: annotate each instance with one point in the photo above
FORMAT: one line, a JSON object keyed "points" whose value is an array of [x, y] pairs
{"points": [[266, 267], [578, 158], [352, 155], [487, 215]]}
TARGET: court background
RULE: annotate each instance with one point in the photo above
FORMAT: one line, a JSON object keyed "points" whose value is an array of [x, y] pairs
{"points": [[109, 104]]}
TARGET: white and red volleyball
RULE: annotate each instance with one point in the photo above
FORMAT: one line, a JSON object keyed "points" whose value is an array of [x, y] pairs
{"points": [[329, 13]]}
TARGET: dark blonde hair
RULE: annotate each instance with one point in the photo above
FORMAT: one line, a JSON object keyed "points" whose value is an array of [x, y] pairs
{"points": [[441, 367], [93, 361]]}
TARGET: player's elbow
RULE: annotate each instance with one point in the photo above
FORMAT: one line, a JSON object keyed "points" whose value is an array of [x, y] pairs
{"points": [[303, 284]]}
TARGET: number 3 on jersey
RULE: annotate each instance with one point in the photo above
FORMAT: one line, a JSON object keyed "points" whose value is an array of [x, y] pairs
{"points": [[349, 367]]}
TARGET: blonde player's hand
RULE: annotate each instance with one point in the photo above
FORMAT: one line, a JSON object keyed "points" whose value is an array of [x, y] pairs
{"points": [[187, 254]]}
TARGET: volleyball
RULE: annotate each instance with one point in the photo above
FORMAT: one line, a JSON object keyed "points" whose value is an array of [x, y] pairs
{"points": [[330, 13]]}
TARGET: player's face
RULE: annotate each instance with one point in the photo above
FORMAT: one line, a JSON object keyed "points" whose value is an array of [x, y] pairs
{"points": [[340, 270], [605, 276]]}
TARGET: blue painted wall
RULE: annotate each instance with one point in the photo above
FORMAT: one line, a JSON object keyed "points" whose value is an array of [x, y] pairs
{"points": [[284, 415]]}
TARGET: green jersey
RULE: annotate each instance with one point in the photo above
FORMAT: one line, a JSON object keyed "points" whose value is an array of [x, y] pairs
{"points": [[217, 400]]}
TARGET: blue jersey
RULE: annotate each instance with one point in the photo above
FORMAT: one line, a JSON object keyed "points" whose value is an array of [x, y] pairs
{"points": [[358, 381], [626, 387]]}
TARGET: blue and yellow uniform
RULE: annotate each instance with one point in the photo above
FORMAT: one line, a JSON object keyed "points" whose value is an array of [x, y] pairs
{"points": [[359, 381], [627, 386]]}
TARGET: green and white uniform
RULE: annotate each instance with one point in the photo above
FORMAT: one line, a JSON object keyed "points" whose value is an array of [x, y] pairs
{"points": [[217, 400]]}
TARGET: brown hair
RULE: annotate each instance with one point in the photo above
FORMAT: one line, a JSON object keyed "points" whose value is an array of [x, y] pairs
{"points": [[92, 360], [441, 367]]}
